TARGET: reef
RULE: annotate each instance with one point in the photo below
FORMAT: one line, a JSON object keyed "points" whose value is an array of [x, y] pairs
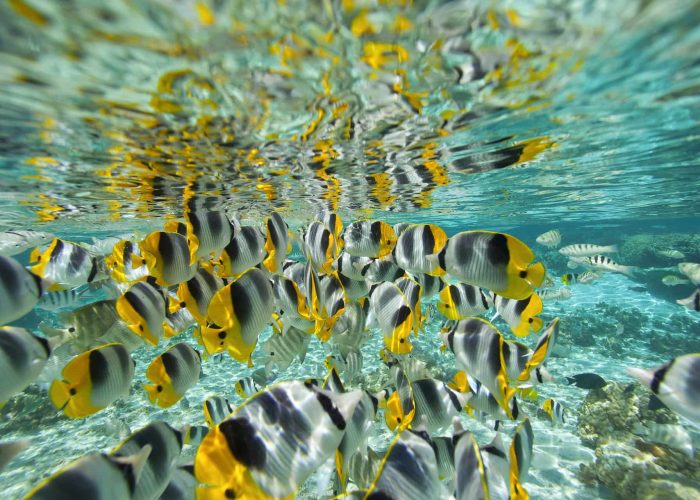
{"points": [[626, 463], [643, 249]]}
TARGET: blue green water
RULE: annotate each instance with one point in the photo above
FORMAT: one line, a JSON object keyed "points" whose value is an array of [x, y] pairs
{"points": [[507, 116]]}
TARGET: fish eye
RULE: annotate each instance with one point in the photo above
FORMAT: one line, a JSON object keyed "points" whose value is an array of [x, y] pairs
{"points": [[229, 493], [272, 353], [523, 274], [182, 304], [402, 340], [222, 335], [159, 388], [73, 391], [529, 320], [140, 327], [71, 329]]}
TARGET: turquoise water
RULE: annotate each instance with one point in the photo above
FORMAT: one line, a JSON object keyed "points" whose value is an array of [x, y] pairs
{"points": [[518, 117]]}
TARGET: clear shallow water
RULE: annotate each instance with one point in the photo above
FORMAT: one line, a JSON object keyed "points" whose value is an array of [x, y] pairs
{"points": [[581, 116]]}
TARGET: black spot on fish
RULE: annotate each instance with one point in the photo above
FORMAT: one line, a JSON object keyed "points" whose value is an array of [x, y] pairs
{"points": [[332, 411], [244, 443], [497, 250], [229, 493]]}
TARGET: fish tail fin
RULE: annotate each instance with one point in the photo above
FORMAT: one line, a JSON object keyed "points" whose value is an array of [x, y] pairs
{"points": [[535, 274], [136, 461], [536, 324], [570, 380], [643, 376], [517, 492]]}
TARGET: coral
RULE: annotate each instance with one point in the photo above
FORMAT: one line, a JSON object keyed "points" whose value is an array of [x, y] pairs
{"points": [[625, 462], [642, 249]]}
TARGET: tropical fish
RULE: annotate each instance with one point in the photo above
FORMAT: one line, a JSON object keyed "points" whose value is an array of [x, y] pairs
{"points": [[587, 381], [247, 387], [545, 345], [495, 261], [603, 263], [16, 242], [357, 427], [333, 222], [319, 247], [216, 409], [586, 250], [237, 314], [555, 411], [671, 254], [66, 264], [281, 349], [62, 299], [478, 349], [413, 246], [409, 468], [172, 374], [384, 269], [245, 250], [445, 456], [550, 239], [103, 476], [562, 293], [691, 270], [277, 244], [520, 456], [675, 384], [394, 315], [93, 380], [435, 401], [672, 280], [209, 231], [672, 435], [349, 330], [692, 302], [105, 246], [482, 403], [121, 264], [369, 238], [520, 314], [497, 468], [583, 278], [352, 266], [412, 291], [429, 285], [168, 256], [144, 308], [470, 474], [10, 449], [460, 301], [329, 303], [273, 443], [197, 292], [354, 289], [195, 434], [348, 362], [400, 405], [182, 484], [92, 325], [165, 444], [290, 300], [23, 356]]}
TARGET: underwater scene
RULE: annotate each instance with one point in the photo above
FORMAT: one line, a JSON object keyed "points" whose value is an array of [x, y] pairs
{"points": [[382, 249]]}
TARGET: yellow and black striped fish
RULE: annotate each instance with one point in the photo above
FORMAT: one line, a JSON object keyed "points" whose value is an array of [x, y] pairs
{"points": [[270, 445], [209, 231], [197, 292], [216, 409], [237, 314], [394, 316], [168, 256], [172, 374], [93, 380], [497, 261], [413, 246], [143, 307], [277, 244], [245, 250], [369, 238], [460, 301], [521, 315], [66, 264]]}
